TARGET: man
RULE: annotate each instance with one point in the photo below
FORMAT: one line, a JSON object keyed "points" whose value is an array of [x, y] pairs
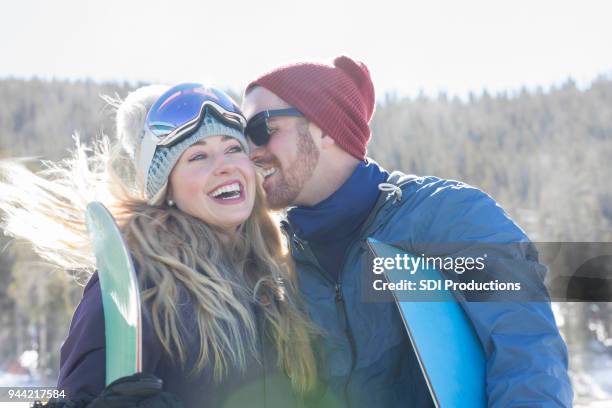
{"points": [[308, 125]]}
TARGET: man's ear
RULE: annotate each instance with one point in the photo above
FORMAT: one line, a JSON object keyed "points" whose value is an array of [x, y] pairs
{"points": [[326, 141], [315, 131]]}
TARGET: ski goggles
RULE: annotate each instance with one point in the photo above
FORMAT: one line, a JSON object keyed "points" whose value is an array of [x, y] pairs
{"points": [[179, 112], [258, 129]]}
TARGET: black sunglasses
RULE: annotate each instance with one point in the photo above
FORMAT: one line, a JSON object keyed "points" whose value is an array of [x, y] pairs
{"points": [[257, 128]]}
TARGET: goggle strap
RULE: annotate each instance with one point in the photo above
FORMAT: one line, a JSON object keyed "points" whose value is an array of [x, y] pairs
{"points": [[145, 156], [186, 128]]}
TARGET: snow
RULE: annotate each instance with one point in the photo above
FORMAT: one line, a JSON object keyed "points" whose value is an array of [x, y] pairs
{"points": [[593, 387]]}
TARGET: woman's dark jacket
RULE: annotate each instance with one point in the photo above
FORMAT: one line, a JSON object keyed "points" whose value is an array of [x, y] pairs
{"points": [[82, 372]]}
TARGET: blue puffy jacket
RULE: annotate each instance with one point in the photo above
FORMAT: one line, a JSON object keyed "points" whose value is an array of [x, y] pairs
{"points": [[366, 358]]}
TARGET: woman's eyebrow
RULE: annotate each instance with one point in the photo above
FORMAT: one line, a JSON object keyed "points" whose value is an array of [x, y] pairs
{"points": [[225, 138]]}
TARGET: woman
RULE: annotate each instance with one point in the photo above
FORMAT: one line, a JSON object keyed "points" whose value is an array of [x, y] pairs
{"points": [[222, 324]]}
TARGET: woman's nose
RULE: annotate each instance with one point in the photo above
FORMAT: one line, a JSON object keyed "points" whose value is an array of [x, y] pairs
{"points": [[223, 164]]}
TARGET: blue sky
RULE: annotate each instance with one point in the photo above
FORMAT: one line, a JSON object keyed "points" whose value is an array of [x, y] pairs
{"points": [[433, 45]]}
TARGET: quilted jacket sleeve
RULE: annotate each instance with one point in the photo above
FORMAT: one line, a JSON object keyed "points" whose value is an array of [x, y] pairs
{"points": [[526, 357]]}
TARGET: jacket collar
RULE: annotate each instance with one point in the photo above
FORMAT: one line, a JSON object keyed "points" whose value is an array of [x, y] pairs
{"points": [[386, 202], [341, 214]]}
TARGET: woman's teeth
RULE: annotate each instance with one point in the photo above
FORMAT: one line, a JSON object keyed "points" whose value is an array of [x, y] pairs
{"points": [[227, 192]]}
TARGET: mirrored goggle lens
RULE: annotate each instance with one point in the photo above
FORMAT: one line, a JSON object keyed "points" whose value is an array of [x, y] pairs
{"points": [[183, 104], [257, 131]]}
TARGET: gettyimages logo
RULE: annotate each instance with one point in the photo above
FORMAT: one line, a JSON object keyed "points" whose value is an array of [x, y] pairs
{"points": [[524, 271], [412, 264]]}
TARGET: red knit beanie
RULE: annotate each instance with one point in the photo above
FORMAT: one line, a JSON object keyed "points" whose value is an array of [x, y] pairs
{"points": [[339, 98]]}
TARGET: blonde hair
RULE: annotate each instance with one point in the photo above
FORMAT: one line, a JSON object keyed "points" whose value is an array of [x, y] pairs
{"points": [[176, 254]]}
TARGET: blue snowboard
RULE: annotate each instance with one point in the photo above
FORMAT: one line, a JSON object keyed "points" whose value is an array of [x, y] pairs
{"points": [[445, 343]]}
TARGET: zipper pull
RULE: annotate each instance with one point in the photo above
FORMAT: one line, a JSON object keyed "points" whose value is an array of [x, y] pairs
{"points": [[340, 308], [298, 242], [339, 293]]}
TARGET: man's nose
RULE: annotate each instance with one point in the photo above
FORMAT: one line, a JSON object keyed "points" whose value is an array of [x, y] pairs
{"points": [[256, 152]]}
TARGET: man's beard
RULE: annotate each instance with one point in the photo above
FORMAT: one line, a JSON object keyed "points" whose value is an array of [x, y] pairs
{"points": [[290, 181]]}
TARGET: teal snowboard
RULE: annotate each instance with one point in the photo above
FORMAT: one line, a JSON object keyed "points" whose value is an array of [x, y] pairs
{"points": [[120, 294], [448, 350]]}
